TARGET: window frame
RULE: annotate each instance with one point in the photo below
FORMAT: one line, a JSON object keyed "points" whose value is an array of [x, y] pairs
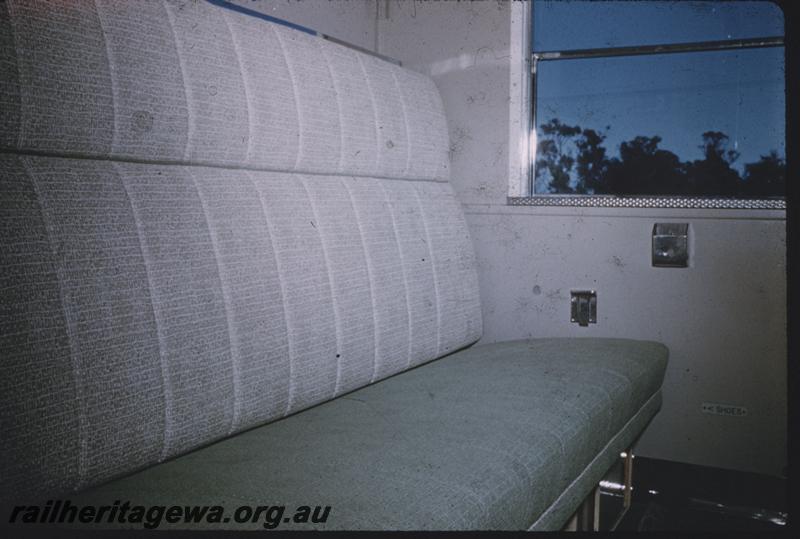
{"points": [[522, 121]]}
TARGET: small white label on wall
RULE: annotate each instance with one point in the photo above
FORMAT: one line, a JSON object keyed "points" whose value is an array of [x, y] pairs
{"points": [[723, 409]]}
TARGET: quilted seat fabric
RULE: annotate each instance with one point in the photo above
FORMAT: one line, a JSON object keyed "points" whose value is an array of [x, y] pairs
{"points": [[183, 81], [207, 222], [491, 437], [151, 309]]}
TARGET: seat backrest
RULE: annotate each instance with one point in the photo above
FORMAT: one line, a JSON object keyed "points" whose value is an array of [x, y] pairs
{"points": [[207, 222]]}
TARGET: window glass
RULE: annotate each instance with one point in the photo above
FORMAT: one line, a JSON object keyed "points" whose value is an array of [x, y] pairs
{"points": [[567, 25], [706, 123]]}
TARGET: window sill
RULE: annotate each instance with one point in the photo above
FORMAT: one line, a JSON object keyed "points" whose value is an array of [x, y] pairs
{"points": [[678, 202]]}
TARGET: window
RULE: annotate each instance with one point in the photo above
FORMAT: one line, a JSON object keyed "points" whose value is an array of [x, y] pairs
{"points": [[658, 99]]}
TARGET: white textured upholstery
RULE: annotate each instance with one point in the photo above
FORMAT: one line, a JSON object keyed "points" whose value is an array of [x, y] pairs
{"points": [[207, 222], [189, 82]]}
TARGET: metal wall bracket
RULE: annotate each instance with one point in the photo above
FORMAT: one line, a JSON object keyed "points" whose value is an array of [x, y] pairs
{"points": [[670, 245], [583, 307]]}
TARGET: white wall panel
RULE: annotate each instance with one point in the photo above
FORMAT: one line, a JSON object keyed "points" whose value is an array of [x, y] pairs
{"points": [[723, 318]]}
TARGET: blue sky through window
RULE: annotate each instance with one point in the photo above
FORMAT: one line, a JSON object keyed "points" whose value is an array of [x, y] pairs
{"points": [[677, 96]]}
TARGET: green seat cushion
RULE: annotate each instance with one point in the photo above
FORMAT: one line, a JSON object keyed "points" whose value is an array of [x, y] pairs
{"points": [[491, 437]]}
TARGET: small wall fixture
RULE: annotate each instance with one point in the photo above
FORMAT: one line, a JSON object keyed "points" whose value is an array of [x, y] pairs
{"points": [[584, 307], [670, 245]]}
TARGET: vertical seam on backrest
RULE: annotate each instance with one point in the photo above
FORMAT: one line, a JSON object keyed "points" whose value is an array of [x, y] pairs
{"points": [[165, 380], [402, 265], [374, 115], [433, 269], [238, 55], [405, 123], [339, 167], [111, 78], [69, 323], [376, 339], [232, 344], [296, 100], [181, 64], [282, 286], [329, 271], [467, 294]]}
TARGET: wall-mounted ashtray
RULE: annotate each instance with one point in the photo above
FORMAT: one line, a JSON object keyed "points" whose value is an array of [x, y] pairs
{"points": [[583, 304], [670, 245]]}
